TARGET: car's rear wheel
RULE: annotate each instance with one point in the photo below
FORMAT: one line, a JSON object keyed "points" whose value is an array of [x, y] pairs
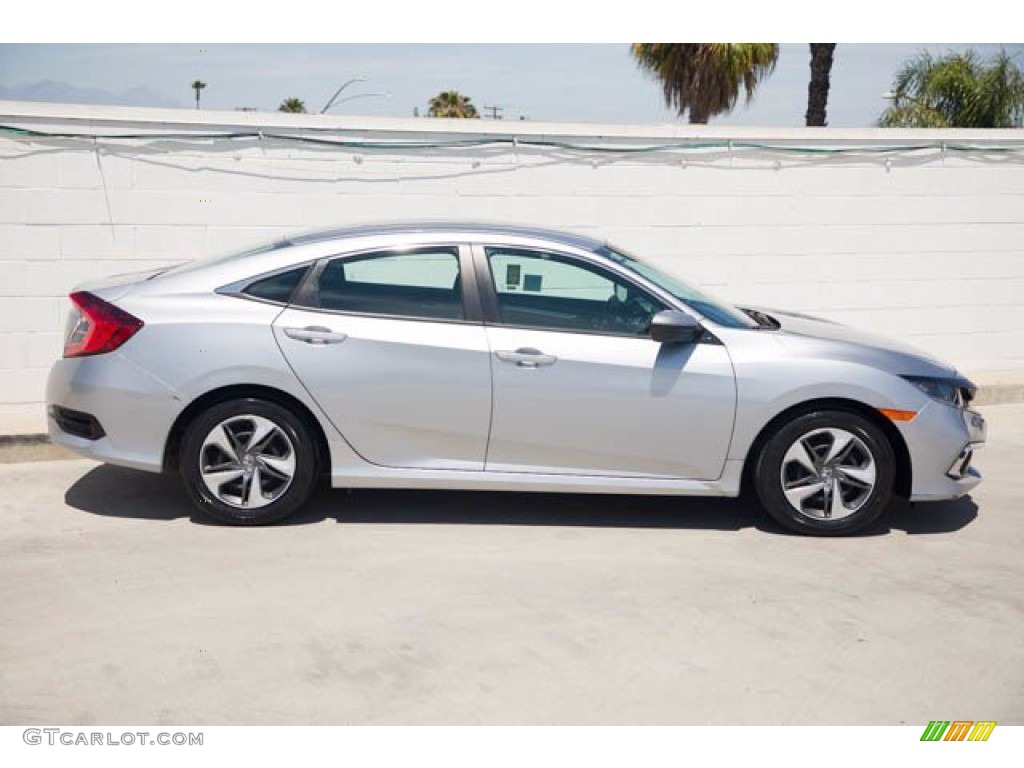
{"points": [[826, 473], [248, 462]]}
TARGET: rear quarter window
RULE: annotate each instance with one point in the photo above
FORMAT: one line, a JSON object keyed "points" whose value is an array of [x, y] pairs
{"points": [[277, 288]]}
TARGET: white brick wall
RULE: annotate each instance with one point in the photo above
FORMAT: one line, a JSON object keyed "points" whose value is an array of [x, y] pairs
{"points": [[928, 246]]}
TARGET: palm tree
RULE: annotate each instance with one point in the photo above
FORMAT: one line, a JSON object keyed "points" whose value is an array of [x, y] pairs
{"points": [[452, 104], [292, 105], [197, 86], [957, 90], [705, 78], [817, 90]]}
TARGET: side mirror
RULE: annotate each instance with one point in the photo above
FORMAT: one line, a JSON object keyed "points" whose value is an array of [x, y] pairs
{"points": [[671, 326]]}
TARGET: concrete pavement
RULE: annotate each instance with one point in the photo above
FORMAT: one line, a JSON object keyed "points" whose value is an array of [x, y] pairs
{"points": [[120, 607]]}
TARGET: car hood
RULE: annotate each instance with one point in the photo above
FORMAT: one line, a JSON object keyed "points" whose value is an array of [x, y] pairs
{"points": [[814, 335]]}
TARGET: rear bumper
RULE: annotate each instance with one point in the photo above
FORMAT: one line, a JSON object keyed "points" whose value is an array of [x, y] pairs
{"points": [[942, 440], [134, 410]]}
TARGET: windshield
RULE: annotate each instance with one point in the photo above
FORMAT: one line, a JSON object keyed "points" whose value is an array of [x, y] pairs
{"points": [[713, 309]]}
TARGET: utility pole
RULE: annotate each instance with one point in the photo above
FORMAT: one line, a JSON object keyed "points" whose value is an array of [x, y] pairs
{"points": [[495, 112]]}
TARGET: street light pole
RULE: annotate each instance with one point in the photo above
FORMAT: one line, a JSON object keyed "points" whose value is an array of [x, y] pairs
{"points": [[337, 93], [382, 94]]}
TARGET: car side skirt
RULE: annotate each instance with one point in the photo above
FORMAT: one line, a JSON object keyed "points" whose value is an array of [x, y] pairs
{"points": [[369, 476]]}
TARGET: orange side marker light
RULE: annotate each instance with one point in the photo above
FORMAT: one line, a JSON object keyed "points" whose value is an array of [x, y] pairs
{"points": [[896, 415]]}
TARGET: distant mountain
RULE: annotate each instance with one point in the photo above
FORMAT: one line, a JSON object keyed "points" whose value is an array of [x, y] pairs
{"points": [[54, 90]]}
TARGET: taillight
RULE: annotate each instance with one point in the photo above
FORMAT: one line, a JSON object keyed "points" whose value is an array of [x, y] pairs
{"points": [[96, 326]]}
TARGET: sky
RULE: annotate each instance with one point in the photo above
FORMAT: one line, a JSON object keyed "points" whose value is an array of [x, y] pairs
{"points": [[559, 82]]}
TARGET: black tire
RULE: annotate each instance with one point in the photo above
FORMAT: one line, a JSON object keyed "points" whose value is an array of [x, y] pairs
{"points": [[867, 505], [294, 440]]}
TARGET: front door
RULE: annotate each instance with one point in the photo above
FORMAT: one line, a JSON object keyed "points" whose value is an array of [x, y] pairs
{"points": [[580, 387]]}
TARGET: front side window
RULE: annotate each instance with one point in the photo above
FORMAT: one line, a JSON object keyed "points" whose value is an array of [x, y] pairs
{"points": [[713, 309], [420, 284], [545, 290]]}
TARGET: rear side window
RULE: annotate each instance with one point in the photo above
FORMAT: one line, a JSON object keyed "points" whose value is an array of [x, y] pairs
{"points": [[423, 283], [278, 288]]}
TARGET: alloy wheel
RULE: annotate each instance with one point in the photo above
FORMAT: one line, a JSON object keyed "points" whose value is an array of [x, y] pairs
{"points": [[247, 461], [828, 474]]}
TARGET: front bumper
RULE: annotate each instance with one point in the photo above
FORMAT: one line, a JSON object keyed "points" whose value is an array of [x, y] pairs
{"points": [[942, 440]]}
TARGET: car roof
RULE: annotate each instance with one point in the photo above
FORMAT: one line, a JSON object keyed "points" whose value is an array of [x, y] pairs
{"points": [[438, 227]]}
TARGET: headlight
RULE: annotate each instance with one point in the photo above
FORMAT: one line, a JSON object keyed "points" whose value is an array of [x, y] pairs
{"points": [[955, 391]]}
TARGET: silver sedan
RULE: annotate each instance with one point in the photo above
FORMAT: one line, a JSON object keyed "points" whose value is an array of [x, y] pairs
{"points": [[504, 358]]}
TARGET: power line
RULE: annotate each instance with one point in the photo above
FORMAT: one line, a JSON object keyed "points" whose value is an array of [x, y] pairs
{"points": [[680, 147]]}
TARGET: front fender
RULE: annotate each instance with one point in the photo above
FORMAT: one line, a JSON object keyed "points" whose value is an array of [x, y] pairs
{"points": [[767, 388]]}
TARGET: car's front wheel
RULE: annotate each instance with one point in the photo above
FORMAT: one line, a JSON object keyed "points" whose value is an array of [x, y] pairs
{"points": [[248, 462], [827, 472]]}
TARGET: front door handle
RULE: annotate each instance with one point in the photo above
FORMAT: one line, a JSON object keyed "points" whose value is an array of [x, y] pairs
{"points": [[526, 357], [315, 334]]}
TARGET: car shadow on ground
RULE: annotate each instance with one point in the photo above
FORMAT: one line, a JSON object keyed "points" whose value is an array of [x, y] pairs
{"points": [[118, 492]]}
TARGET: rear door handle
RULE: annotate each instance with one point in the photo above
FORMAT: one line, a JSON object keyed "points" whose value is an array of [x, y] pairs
{"points": [[315, 334], [526, 357]]}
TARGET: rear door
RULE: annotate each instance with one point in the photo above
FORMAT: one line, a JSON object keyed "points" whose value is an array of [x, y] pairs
{"points": [[388, 345]]}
